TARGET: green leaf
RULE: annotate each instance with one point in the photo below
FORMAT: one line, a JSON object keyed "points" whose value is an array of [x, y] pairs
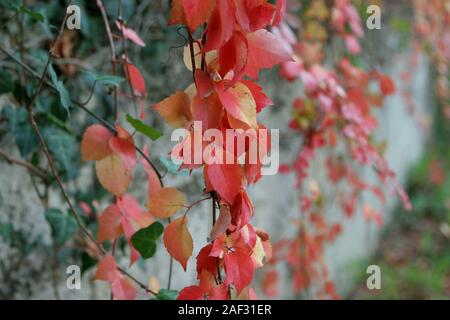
{"points": [[143, 128], [33, 14], [64, 97], [144, 240], [6, 82], [173, 168], [63, 225], [165, 294], [20, 128], [63, 147], [6, 231], [105, 79]]}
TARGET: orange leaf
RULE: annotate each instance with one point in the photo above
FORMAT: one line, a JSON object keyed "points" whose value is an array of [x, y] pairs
{"points": [[95, 143], [178, 240], [175, 110], [113, 175], [166, 202], [238, 102]]}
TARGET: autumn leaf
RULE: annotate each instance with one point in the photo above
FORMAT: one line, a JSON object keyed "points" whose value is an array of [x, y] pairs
{"points": [[279, 13], [197, 12], [175, 110], [238, 102], [208, 110], [177, 15], [110, 224], [166, 202], [95, 143], [136, 79], [178, 240], [239, 269], [387, 85], [122, 144], [121, 287], [130, 34], [113, 175], [226, 179], [233, 55], [264, 51], [222, 223], [220, 25]]}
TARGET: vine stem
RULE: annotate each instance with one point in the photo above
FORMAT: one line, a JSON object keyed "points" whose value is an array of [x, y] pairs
{"points": [[214, 218], [112, 48], [36, 170]]}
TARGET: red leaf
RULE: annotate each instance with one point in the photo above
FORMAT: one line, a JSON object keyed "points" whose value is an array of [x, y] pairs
{"points": [[197, 12], [204, 84], [122, 144], [130, 34], [387, 85], [220, 25], [261, 99], [95, 143], [226, 179], [178, 241], [191, 293], [280, 12], [136, 79], [205, 261], [264, 51], [107, 271], [177, 15], [233, 55], [239, 269], [110, 224], [208, 110]]}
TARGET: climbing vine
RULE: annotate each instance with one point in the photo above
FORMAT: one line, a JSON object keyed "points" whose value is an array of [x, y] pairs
{"points": [[318, 44]]}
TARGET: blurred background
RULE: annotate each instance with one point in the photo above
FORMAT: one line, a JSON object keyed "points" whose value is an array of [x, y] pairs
{"points": [[38, 238]]}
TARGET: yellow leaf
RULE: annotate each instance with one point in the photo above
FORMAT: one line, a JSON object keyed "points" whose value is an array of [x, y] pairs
{"points": [[166, 202], [113, 175]]}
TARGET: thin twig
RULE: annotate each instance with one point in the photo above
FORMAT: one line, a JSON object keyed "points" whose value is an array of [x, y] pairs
{"points": [[113, 53], [36, 170]]}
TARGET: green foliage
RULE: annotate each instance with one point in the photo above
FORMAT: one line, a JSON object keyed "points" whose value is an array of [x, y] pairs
{"points": [[20, 128], [143, 128], [165, 294], [145, 239], [64, 97], [63, 147], [63, 225]]}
